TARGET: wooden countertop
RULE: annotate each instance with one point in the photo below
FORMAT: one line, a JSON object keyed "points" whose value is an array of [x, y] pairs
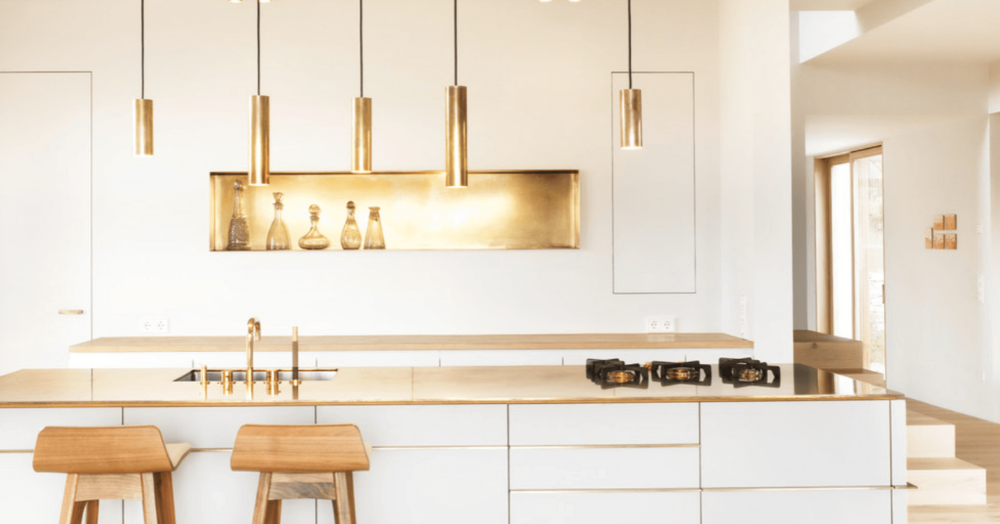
{"points": [[431, 385], [416, 342]]}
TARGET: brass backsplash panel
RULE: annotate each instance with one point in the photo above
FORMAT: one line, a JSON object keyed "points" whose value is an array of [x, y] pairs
{"points": [[499, 209]]}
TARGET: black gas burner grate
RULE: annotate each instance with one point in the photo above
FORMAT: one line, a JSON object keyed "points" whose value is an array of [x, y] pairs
{"points": [[615, 373], [744, 372], [672, 373]]}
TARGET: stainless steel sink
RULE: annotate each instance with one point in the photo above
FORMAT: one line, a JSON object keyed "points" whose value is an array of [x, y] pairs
{"points": [[240, 375]]}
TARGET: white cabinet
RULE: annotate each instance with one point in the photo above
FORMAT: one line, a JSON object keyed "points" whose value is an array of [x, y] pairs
{"points": [[378, 359], [578, 357], [19, 427], [214, 428], [450, 425], [207, 491], [27, 497], [795, 444], [430, 486], [603, 508], [798, 507], [603, 424], [502, 357], [604, 468]]}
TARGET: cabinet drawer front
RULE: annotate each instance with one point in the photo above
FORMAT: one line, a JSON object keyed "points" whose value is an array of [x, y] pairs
{"points": [[795, 444], [423, 425], [602, 508], [603, 424], [214, 428], [796, 507], [604, 468], [19, 427]]}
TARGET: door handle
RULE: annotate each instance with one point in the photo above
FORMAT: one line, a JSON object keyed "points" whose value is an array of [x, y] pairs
{"points": [[70, 311]]}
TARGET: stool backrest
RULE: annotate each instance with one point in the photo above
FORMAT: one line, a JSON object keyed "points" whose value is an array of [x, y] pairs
{"points": [[103, 451], [299, 449]]}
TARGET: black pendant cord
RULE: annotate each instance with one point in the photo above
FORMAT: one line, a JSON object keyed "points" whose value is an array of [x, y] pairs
{"points": [[630, 44], [456, 42], [142, 31], [258, 47], [361, 43]]}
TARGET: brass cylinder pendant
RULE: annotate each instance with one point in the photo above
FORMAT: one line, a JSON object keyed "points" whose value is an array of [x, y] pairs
{"points": [[456, 138], [361, 153], [631, 118], [260, 141], [143, 113]]}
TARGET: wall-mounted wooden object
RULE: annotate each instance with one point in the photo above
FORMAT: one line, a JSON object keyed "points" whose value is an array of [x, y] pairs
{"points": [[499, 209]]}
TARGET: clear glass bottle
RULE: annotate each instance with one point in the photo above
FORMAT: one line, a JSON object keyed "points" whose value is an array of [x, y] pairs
{"points": [[350, 237], [373, 235], [277, 236], [239, 226], [314, 239]]}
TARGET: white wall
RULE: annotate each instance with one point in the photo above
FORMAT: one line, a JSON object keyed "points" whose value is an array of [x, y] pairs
{"points": [[932, 121], [538, 77], [756, 174]]}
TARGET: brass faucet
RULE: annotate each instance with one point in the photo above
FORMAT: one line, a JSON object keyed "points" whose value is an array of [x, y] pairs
{"points": [[253, 333]]}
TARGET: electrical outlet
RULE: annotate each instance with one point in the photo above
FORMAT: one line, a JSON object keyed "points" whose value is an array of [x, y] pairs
{"points": [[661, 324], [155, 325]]}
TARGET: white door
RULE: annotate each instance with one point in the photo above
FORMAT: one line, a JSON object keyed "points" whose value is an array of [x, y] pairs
{"points": [[45, 181]]}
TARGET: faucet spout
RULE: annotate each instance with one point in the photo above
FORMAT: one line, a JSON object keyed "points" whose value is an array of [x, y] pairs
{"points": [[253, 333]]}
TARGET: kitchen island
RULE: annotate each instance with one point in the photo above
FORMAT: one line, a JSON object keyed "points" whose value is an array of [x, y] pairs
{"points": [[517, 444]]}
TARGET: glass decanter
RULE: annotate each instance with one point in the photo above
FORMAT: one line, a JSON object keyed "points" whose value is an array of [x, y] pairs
{"points": [[373, 235], [350, 237], [277, 236], [314, 239], [239, 226]]}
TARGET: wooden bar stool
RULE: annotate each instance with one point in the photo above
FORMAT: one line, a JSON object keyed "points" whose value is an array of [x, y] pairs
{"points": [[116, 463], [301, 462]]}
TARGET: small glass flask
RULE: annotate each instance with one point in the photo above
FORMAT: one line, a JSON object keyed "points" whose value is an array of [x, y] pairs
{"points": [[277, 236], [350, 237], [373, 235], [314, 239], [239, 226]]}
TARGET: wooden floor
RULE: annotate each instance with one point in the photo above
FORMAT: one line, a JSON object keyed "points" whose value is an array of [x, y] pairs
{"points": [[976, 441]]}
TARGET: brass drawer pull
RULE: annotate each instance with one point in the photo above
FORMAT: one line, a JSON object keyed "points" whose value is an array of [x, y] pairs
{"points": [[70, 311]]}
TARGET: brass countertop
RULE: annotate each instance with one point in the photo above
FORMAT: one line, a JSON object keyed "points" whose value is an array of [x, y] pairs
{"points": [[430, 385], [417, 342]]}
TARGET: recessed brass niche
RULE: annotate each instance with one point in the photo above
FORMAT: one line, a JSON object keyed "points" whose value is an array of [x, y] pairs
{"points": [[499, 209]]}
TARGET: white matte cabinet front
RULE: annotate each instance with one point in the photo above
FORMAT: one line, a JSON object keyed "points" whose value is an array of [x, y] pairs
{"points": [[590, 507], [27, 497], [798, 507]]}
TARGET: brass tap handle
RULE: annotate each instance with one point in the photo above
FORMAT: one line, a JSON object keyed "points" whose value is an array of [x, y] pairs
{"points": [[204, 375], [295, 356]]}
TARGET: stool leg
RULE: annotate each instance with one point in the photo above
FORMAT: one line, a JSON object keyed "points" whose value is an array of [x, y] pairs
{"points": [[343, 505], [263, 494], [92, 511], [165, 498], [273, 512], [150, 514], [72, 511]]}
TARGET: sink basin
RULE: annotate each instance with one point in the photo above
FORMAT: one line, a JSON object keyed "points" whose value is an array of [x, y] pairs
{"points": [[240, 375]]}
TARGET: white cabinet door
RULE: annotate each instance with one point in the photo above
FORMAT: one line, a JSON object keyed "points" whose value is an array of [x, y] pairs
{"points": [[797, 507], [214, 428], [599, 424], [207, 491], [430, 486], [19, 427], [27, 497], [594, 507], [482, 425], [795, 444], [604, 468], [501, 357], [45, 217]]}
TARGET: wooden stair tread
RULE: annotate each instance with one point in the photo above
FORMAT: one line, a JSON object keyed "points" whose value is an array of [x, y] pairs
{"points": [[914, 418], [939, 464]]}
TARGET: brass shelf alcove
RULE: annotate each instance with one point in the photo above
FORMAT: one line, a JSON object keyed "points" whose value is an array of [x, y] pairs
{"points": [[499, 209]]}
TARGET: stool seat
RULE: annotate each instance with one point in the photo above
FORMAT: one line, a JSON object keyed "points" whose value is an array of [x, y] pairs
{"points": [[111, 463], [301, 462]]}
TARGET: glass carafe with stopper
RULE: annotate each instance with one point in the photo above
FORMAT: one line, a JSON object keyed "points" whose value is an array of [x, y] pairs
{"points": [[239, 226], [314, 239], [277, 236], [373, 235], [350, 237]]}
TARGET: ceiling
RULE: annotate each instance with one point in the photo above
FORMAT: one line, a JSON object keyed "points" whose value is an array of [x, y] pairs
{"points": [[826, 5], [942, 31], [829, 134]]}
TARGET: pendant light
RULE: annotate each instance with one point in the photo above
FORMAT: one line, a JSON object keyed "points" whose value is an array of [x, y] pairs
{"points": [[456, 137], [361, 153], [630, 101], [260, 128], [143, 109]]}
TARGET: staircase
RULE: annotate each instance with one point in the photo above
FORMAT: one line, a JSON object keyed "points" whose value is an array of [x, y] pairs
{"points": [[940, 477]]}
